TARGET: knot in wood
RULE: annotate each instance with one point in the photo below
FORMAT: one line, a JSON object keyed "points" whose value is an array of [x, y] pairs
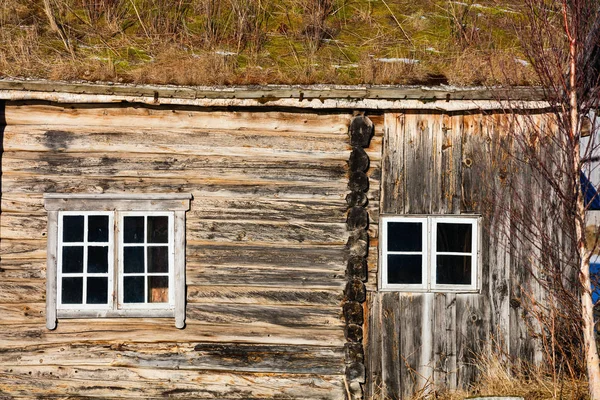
{"points": [[360, 131], [358, 218], [359, 160]]}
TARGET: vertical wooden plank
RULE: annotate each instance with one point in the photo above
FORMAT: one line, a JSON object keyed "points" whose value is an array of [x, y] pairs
{"points": [[51, 270], [418, 162], [472, 336], [426, 359], [411, 325], [451, 163], [179, 243], [374, 347], [392, 332], [393, 176], [444, 341]]}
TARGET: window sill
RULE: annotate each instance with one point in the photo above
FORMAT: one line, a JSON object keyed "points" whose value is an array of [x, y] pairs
{"points": [[140, 313]]}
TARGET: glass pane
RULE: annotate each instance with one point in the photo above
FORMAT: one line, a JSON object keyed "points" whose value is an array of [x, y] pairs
{"points": [[158, 229], [404, 268], [72, 259], [73, 228], [158, 259], [133, 231], [72, 290], [134, 289], [453, 270], [133, 259], [97, 290], [454, 237], [98, 228], [404, 236], [97, 259], [158, 289]]}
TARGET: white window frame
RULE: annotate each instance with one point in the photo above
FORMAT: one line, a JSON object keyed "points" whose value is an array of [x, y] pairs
{"points": [[117, 205], [429, 253]]}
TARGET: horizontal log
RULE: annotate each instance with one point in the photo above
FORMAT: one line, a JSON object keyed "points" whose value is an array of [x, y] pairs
{"points": [[198, 186], [134, 165], [263, 295], [239, 357], [111, 382], [167, 117], [158, 330], [21, 313], [22, 291], [22, 249], [25, 226], [270, 276], [16, 269]]}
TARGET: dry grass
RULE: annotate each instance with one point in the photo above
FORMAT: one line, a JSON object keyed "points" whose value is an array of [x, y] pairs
{"points": [[262, 41]]}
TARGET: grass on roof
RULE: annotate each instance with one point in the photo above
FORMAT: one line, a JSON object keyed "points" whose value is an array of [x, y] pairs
{"points": [[208, 42]]}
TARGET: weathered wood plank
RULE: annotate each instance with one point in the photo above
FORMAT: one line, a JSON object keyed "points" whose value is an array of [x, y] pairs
{"points": [[374, 347], [169, 117], [16, 269], [451, 163], [22, 249], [157, 330], [392, 330], [111, 382], [411, 326], [393, 179], [263, 295], [240, 357], [419, 163], [198, 187], [22, 291], [272, 276], [472, 336], [444, 342], [28, 227]]}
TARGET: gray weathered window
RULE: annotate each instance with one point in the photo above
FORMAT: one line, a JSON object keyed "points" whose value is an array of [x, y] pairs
{"points": [[429, 253], [116, 255]]}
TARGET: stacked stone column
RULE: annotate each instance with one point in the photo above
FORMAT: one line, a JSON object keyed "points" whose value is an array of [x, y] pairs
{"points": [[357, 223]]}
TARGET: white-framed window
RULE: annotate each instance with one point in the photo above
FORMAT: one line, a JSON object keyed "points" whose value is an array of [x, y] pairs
{"points": [[116, 256], [430, 253]]}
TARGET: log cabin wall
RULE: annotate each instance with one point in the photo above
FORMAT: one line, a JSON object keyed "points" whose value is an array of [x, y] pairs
{"points": [[265, 255], [451, 163]]}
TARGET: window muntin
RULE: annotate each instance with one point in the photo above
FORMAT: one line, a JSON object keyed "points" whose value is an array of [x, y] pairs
{"points": [[84, 258], [429, 253], [146, 260]]}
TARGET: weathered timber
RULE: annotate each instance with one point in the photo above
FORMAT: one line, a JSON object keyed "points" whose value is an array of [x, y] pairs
{"points": [[357, 268], [22, 291], [358, 218], [353, 333], [393, 186], [356, 372], [359, 160], [359, 181], [355, 291], [360, 131], [358, 243], [353, 312], [127, 382], [26, 269], [263, 295], [354, 353], [356, 199], [393, 356], [241, 357]]}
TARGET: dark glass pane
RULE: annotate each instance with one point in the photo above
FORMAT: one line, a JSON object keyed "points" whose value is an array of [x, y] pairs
{"points": [[158, 259], [134, 289], [97, 290], [98, 228], [158, 289], [72, 290], [404, 236], [404, 268], [158, 229], [72, 259], [134, 229], [453, 270], [133, 259], [97, 259], [73, 228], [454, 237]]}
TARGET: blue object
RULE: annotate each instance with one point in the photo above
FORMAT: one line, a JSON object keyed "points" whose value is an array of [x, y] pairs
{"points": [[592, 199]]}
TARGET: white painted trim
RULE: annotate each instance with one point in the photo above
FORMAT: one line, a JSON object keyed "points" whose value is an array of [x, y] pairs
{"points": [[51, 265], [119, 196], [429, 253]]}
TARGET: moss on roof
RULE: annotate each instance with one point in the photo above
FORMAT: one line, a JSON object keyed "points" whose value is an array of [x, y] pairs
{"points": [[208, 42]]}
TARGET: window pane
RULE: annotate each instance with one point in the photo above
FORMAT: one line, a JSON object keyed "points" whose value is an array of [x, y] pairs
{"points": [[98, 228], [402, 268], [97, 290], [73, 228], [133, 231], [72, 259], [454, 237], [404, 236], [453, 270], [134, 289], [72, 290], [158, 229], [97, 259], [158, 289], [158, 259], [133, 259]]}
